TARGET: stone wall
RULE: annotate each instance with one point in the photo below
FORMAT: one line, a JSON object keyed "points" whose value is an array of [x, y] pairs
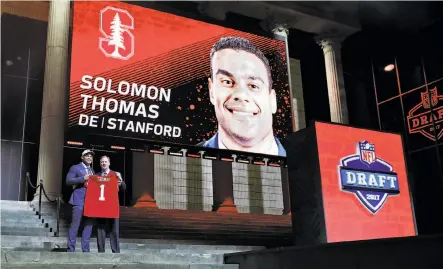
{"points": [[257, 189], [183, 183]]}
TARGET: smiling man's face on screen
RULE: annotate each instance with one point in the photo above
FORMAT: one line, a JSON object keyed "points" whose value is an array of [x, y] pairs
{"points": [[242, 97]]}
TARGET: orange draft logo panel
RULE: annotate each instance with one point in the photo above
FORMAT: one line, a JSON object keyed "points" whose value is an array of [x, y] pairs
{"points": [[364, 184], [422, 120]]}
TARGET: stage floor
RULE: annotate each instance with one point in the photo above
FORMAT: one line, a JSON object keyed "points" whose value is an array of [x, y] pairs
{"points": [[418, 252]]}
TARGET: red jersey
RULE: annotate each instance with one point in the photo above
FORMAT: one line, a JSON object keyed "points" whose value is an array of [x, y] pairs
{"points": [[101, 199]]}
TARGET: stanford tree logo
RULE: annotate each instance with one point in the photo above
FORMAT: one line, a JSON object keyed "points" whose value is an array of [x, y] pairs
{"points": [[420, 118], [117, 41], [371, 179]]}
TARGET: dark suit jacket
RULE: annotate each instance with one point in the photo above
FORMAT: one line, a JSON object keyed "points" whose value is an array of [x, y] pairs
{"points": [[213, 143], [75, 178]]}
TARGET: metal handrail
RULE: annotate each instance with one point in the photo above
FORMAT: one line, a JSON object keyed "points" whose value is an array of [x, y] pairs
{"points": [[42, 191], [40, 199], [58, 215]]}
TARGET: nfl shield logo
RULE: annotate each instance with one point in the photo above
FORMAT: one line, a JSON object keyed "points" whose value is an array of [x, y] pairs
{"points": [[366, 152], [425, 98], [362, 174]]}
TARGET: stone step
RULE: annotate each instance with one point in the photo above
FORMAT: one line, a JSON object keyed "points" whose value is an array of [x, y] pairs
{"points": [[27, 257], [29, 222], [140, 213], [127, 225], [246, 240], [130, 211], [19, 207], [23, 228], [31, 231], [178, 227], [12, 241], [16, 210], [18, 215], [137, 215], [147, 230], [189, 222], [125, 248], [228, 239], [165, 233], [28, 219], [94, 249], [13, 215], [119, 266], [32, 223], [201, 229], [11, 202], [213, 227], [142, 220]]}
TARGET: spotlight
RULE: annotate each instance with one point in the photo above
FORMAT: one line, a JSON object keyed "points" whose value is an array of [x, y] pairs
{"points": [[75, 143], [210, 155], [175, 152], [226, 157], [258, 161], [137, 150], [96, 146], [274, 162], [156, 149], [389, 67], [243, 159], [193, 153]]}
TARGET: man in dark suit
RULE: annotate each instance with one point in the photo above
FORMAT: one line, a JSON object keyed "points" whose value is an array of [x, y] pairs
{"points": [[102, 223], [77, 176]]}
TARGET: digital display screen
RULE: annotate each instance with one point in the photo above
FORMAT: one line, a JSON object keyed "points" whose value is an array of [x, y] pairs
{"points": [[364, 184], [139, 73]]}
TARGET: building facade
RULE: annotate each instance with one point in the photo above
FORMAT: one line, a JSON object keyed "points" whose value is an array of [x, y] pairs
{"points": [[322, 50]]}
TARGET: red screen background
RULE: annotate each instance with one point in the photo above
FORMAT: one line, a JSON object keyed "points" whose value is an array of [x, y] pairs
{"points": [[346, 218], [170, 52]]}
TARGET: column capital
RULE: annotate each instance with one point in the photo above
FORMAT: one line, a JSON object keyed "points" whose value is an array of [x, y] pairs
{"points": [[281, 29], [330, 39]]}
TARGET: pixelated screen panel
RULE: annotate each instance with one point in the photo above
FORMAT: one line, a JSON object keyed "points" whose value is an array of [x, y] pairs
{"points": [[141, 73], [364, 184]]}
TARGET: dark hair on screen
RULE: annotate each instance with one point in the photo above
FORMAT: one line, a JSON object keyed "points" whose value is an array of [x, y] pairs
{"points": [[239, 43]]}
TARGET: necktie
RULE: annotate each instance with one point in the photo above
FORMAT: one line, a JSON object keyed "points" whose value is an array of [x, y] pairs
{"points": [[89, 172]]}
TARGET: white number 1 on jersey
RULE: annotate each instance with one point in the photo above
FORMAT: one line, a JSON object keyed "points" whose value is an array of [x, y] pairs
{"points": [[102, 192]]}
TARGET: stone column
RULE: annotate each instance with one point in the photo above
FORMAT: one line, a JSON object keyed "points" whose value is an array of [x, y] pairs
{"points": [[143, 179], [55, 91], [296, 116], [298, 103], [282, 31], [223, 187], [334, 76]]}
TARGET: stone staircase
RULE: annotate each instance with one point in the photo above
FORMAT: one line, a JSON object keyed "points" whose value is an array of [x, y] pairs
{"points": [[30, 242], [201, 226]]}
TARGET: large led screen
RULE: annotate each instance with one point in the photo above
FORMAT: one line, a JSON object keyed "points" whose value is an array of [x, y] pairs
{"points": [[144, 74], [364, 184]]}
